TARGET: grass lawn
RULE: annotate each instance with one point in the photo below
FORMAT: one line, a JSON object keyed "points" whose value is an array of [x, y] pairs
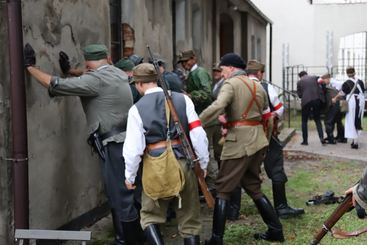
{"points": [[306, 179]]}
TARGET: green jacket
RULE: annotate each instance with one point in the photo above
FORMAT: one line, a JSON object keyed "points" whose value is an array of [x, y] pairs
{"points": [[105, 96], [199, 87], [233, 100]]}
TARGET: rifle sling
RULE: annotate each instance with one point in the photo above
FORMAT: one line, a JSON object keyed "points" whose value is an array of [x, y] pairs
{"points": [[338, 233]]}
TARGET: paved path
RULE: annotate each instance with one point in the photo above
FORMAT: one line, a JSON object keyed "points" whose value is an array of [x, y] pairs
{"points": [[340, 150]]}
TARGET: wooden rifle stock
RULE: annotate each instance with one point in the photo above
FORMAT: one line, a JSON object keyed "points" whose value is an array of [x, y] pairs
{"points": [[193, 162], [342, 208]]}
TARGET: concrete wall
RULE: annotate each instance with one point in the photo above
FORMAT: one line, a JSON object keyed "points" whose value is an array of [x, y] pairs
{"points": [[64, 178], [194, 27], [151, 20], [5, 174]]}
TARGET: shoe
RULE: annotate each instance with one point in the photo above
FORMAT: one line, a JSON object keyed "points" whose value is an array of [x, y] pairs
{"points": [[354, 146], [323, 142], [331, 142], [282, 208], [304, 143], [285, 212], [343, 140]]}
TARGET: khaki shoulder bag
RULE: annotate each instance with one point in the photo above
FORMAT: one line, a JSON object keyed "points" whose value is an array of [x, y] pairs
{"points": [[344, 103], [163, 177]]}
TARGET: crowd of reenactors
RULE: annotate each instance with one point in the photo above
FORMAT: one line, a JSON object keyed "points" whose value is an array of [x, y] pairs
{"points": [[234, 112]]}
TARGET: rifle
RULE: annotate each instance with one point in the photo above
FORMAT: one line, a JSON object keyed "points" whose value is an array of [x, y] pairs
{"points": [[343, 207], [192, 160]]}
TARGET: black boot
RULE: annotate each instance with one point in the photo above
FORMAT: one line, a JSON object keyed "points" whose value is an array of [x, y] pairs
{"points": [[281, 205], [331, 140], [192, 240], [267, 212], [234, 205], [153, 235], [134, 234], [117, 226], [219, 222]]}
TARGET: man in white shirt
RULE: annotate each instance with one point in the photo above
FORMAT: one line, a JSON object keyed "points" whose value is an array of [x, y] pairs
{"points": [[147, 133]]}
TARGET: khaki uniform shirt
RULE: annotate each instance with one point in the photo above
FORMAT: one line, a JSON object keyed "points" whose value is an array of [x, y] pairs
{"points": [[105, 96], [233, 100]]}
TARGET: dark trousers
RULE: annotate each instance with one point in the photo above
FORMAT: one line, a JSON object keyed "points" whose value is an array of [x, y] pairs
{"points": [[312, 107], [274, 163], [125, 203], [242, 172], [334, 116]]}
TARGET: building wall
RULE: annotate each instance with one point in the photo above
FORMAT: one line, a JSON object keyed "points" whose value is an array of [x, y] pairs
{"points": [[64, 177], [196, 28], [304, 28]]}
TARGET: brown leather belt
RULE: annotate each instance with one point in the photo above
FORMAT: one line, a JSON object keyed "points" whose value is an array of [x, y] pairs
{"points": [[243, 123], [162, 144]]}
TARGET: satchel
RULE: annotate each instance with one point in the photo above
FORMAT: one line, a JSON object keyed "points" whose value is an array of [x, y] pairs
{"points": [[163, 177], [344, 103]]}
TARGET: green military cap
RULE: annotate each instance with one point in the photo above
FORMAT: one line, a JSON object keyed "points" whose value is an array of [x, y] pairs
{"points": [[254, 65], [95, 52], [145, 73], [125, 64], [186, 55]]}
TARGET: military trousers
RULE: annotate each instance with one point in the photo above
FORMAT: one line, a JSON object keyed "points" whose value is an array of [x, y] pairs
{"points": [[125, 203], [244, 172], [214, 134], [274, 163], [188, 216]]}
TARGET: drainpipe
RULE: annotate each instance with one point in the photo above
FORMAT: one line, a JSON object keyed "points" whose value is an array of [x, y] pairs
{"points": [[18, 116], [270, 52]]}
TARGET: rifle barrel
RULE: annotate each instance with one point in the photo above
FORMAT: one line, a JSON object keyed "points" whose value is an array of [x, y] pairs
{"points": [[333, 218]]}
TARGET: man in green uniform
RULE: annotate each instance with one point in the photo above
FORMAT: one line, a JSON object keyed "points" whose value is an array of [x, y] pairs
{"points": [[198, 84], [246, 106], [106, 98], [198, 88]]}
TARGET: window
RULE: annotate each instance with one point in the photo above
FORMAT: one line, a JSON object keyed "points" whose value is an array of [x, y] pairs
{"points": [[253, 47], [258, 51], [115, 18]]}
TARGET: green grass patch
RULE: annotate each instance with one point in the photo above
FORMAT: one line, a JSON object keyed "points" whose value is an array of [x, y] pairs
{"points": [[308, 179]]}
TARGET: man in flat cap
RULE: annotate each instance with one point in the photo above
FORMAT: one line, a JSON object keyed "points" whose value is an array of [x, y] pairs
{"points": [[246, 107], [273, 162], [106, 98], [148, 132]]}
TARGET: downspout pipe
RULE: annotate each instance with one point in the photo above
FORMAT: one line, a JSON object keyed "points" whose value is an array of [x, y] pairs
{"points": [[18, 116]]}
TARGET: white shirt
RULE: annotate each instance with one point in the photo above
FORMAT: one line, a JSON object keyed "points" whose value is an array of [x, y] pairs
{"points": [[135, 144], [275, 102]]}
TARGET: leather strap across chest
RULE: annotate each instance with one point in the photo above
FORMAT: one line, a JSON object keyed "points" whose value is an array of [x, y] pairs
{"points": [[244, 121]]}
